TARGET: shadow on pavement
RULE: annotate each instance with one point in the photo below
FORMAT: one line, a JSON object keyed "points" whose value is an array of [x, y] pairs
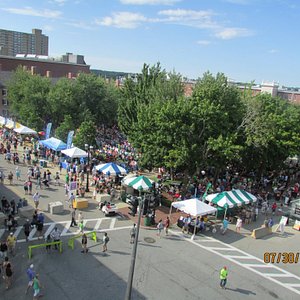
{"points": [[241, 291]]}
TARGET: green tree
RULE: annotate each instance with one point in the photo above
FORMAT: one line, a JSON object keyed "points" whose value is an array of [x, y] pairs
{"points": [[153, 84], [62, 131], [272, 132], [28, 98], [86, 134]]}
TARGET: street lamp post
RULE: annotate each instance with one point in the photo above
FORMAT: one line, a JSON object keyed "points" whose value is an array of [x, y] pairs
{"points": [[88, 149]]}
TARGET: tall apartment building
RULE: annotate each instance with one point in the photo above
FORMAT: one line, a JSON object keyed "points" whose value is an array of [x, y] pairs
{"points": [[14, 42]]}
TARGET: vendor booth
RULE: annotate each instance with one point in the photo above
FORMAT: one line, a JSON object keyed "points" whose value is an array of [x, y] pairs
{"points": [[74, 152], [24, 130], [231, 199], [195, 208], [54, 144]]}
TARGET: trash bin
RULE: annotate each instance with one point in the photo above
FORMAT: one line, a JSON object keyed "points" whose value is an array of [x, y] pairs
{"points": [[147, 221]]}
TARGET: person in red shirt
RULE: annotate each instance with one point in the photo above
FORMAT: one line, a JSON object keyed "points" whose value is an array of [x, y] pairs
{"points": [[274, 207]]}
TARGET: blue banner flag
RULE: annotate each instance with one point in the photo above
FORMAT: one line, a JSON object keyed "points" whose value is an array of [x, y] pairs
{"points": [[48, 130], [70, 139]]}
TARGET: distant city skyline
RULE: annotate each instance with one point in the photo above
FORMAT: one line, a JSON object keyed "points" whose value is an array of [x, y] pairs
{"points": [[247, 40]]}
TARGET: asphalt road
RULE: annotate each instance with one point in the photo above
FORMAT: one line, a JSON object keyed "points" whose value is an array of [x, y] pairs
{"points": [[173, 267]]}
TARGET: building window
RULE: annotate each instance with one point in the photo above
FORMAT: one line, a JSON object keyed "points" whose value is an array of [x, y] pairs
{"points": [[4, 92], [4, 101]]}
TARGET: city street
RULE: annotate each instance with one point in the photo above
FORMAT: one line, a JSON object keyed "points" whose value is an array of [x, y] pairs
{"points": [[172, 267]]}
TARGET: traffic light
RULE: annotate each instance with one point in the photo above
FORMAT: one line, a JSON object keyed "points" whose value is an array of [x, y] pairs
{"points": [[133, 205]]}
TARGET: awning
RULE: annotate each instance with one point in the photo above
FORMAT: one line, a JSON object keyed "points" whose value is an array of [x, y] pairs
{"points": [[24, 130], [231, 198], [74, 152], [54, 144], [194, 207]]}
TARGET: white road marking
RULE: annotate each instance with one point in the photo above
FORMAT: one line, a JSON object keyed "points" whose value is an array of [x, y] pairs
{"points": [[50, 228], [251, 267], [112, 223], [66, 225], [18, 230], [98, 224], [66, 228]]}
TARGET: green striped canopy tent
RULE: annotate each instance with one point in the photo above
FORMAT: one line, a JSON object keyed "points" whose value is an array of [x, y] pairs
{"points": [[231, 198], [140, 183]]}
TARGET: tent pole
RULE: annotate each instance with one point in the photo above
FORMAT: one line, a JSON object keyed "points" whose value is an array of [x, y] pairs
{"points": [[225, 213]]}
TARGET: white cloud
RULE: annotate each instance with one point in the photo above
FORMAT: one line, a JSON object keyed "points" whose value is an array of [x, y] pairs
{"points": [[29, 11], [150, 2], [59, 2], [272, 51], [202, 19], [123, 20], [233, 32], [203, 42], [194, 18]]}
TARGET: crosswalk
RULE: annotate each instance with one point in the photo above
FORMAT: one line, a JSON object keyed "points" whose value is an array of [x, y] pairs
{"points": [[248, 261], [98, 225]]}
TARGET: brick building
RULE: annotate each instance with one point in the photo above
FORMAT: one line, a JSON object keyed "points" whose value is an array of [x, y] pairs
{"points": [[68, 66]]}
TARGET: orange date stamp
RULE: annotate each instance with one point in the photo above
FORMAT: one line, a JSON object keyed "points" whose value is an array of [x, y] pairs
{"points": [[281, 257]]}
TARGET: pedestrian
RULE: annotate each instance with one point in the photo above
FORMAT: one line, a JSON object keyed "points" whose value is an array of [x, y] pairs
{"points": [[256, 214], [274, 207], [223, 277], [48, 240], [57, 178], [36, 287], [159, 227], [29, 183], [10, 177], [11, 243], [167, 225], [81, 226], [73, 216], [238, 226], [36, 199], [225, 225], [55, 235], [3, 249], [71, 200], [30, 274], [27, 228], [39, 228], [132, 233], [105, 241], [18, 173], [84, 243], [7, 270]]}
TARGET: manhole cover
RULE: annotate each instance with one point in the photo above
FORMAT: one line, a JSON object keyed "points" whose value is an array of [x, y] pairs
{"points": [[149, 240]]}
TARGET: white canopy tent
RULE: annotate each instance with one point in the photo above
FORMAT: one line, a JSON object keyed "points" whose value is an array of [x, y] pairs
{"points": [[24, 130], [194, 207], [74, 152]]}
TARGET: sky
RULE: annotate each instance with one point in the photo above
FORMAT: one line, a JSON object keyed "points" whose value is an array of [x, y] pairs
{"points": [[247, 40]]}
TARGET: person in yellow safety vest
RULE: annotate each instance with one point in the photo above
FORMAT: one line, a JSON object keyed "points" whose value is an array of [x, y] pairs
{"points": [[223, 277]]}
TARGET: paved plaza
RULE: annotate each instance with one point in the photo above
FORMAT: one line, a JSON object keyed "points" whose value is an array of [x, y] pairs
{"points": [[171, 267]]}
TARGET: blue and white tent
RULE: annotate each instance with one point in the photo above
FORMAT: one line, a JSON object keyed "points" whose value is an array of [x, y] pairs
{"points": [[54, 144], [111, 169]]}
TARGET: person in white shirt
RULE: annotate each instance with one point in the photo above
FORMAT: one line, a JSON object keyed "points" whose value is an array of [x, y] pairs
{"points": [[36, 199]]}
